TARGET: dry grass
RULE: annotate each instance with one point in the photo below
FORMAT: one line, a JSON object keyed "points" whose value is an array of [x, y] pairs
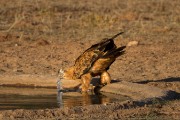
{"points": [[87, 20]]}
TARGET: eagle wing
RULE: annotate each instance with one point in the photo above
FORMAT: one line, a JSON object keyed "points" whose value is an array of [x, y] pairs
{"points": [[104, 62], [86, 60]]}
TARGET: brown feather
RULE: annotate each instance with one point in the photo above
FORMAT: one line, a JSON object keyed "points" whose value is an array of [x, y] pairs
{"points": [[96, 59]]}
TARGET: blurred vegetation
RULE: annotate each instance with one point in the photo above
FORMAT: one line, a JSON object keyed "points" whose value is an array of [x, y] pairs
{"points": [[84, 20]]}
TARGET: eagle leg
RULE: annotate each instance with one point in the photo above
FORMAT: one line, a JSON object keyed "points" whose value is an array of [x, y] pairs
{"points": [[86, 79], [105, 78]]}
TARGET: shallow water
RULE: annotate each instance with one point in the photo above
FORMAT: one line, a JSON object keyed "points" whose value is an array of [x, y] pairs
{"points": [[41, 98]]}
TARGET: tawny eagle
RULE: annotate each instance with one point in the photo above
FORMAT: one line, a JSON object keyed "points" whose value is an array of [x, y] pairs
{"points": [[95, 61]]}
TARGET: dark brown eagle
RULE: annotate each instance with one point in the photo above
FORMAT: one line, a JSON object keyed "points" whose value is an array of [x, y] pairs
{"points": [[95, 61]]}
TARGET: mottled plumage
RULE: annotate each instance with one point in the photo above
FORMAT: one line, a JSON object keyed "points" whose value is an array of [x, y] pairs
{"points": [[95, 61]]}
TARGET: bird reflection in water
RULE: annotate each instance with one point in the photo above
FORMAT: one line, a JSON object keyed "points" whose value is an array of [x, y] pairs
{"points": [[71, 99]]}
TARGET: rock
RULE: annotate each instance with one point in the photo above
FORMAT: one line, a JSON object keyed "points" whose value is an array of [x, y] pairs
{"points": [[36, 81], [1, 116], [137, 91], [132, 43]]}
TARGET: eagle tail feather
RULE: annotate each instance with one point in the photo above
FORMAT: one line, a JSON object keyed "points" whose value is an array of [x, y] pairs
{"points": [[116, 52], [116, 35]]}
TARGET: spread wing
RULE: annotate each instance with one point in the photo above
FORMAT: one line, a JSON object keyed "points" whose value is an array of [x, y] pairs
{"points": [[86, 60]]}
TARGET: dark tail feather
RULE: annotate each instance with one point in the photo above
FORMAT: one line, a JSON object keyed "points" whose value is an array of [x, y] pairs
{"points": [[115, 52], [108, 40], [119, 54], [103, 45], [116, 35]]}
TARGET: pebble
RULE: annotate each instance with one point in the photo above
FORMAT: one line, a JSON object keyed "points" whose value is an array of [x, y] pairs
{"points": [[1, 116], [132, 43]]}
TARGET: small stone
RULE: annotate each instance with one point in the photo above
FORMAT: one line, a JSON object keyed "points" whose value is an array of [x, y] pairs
{"points": [[16, 45], [132, 43], [12, 117], [1, 116]]}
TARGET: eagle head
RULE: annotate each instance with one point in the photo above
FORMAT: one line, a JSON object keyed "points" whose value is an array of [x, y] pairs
{"points": [[69, 73]]}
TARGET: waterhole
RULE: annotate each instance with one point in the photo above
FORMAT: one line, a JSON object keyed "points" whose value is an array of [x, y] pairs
{"points": [[42, 98]]}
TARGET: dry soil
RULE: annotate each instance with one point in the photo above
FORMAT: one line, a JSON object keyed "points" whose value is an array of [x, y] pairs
{"points": [[39, 37]]}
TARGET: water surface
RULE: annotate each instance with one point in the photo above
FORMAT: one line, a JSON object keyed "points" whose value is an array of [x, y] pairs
{"points": [[42, 98]]}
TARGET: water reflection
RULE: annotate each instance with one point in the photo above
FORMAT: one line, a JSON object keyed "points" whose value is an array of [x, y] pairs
{"points": [[41, 98], [69, 99]]}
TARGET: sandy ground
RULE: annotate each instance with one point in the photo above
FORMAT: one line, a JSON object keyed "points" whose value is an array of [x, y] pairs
{"points": [[40, 37]]}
